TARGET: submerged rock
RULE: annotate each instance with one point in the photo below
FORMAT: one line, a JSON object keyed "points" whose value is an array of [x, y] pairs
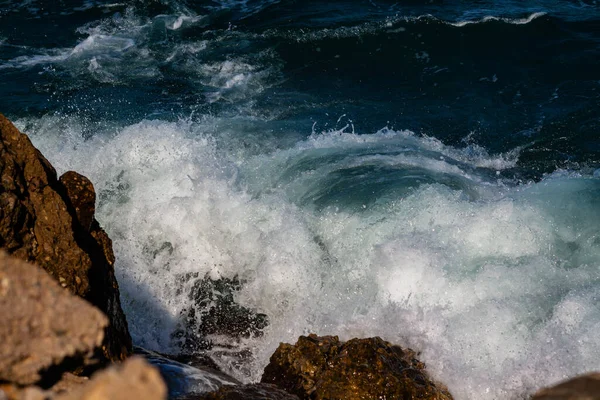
{"points": [[585, 387], [325, 368], [215, 313], [51, 223], [43, 328]]}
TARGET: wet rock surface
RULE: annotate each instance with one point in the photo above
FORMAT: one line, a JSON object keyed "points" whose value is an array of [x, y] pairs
{"points": [[215, 312], [325, 368], [51, 223], [191, 375], [256, 391], [585, 387], [43, 328]]}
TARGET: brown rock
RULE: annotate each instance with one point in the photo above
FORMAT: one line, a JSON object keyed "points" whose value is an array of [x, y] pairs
{"points": [[13, 392], [255, 391], [325, 368], [134, 379], [585, 387], [68, 382], [82, 195], [51, 223], [42, 325]]}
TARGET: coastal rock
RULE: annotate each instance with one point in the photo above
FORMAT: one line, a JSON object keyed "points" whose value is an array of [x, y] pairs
{"points": [[80, 192], [51, 223], [255, 391], [216, 314], [68, 382], [325, 368], [134, 379], [585, 387], [43, 327]]}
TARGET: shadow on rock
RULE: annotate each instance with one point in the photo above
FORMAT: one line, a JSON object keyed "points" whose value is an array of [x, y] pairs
{"points": [[51, 223]]}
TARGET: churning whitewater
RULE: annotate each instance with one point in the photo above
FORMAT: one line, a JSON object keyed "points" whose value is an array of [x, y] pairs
{"points": [[418, 173]]}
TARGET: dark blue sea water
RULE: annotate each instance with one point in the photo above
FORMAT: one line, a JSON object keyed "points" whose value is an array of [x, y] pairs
{"points": [[426, 171]]}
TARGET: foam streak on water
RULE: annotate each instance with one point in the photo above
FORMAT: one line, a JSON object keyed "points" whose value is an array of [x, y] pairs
{"points": [[496, 284], [514, 21]]}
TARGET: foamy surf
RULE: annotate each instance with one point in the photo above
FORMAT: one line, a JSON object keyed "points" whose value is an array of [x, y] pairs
{"points": [[512, 21], [498, 292]]}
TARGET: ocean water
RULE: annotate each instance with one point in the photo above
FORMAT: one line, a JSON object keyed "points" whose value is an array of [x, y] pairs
{"points": [[425, 171]]}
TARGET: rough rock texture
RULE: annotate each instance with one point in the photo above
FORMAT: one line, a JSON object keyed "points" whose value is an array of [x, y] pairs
{"points": [[256, 391], [68, 382], [585, 387], [41, 325], [134, 379], [51, 223], [216, 314], [13, 392], [325, 368]]}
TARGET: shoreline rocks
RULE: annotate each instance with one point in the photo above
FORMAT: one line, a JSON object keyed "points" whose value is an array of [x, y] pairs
{"points": [[326, 368], [42, 326], [134, 379], [51, 223], [47, 333]]}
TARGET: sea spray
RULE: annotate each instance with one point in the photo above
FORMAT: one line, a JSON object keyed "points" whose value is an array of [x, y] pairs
{"points": [[494, 283]]}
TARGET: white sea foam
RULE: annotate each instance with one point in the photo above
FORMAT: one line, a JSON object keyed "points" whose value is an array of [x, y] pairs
{"points": [[472, 154], [55, 55], [227, 75], [106, 54], [183, 19], [512, 21], [234, 79], [103, 44], [124, 48], [499, 294], [393, 24]]}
